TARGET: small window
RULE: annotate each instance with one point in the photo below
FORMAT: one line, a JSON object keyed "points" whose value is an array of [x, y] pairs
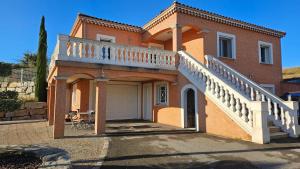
{"points": [[226, 45], [265, 53], [161, 93]]}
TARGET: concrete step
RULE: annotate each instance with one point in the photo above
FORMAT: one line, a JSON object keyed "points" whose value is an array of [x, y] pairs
{"points": [[274, 129], [270, 123], [278, 135]]}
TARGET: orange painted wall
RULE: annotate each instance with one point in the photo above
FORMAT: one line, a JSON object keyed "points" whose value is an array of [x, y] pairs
{"points": [[122, 37]]}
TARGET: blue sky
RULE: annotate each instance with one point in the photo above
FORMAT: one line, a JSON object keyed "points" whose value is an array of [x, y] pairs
{"points": [[20, 19]]}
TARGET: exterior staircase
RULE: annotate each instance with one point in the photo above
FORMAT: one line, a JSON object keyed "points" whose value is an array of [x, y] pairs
{"points": [[261, 114]]}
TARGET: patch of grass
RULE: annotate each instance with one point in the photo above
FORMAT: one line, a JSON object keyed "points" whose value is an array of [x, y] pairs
{"points": [[291, 73]]}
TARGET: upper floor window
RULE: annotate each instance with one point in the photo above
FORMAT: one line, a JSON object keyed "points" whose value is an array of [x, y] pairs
{"points": [[265, 52], [226, 45], [161, 93]]}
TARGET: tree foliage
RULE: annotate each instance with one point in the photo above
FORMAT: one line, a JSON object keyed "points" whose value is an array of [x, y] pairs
{"points": [[41, 64], [29, 59], [5, 69]]}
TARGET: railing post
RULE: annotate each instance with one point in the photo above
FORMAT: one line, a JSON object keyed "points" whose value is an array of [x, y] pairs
{"points": [[293, 127], [62, 46], [260, 132]]}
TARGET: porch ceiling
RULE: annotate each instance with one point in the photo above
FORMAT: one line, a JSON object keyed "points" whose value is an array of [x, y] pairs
{"points": [[166, 35], [132, 79]]}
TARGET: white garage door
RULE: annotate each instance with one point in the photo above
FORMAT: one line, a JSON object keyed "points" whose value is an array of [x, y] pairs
{"points": [[122, 102]]}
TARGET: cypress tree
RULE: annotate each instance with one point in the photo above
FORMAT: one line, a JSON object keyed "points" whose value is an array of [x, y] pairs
{"points": [[41, 65]]}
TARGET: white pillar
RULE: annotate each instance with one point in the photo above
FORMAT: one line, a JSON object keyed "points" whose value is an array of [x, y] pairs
{"points": [[260, 132], [292, 123]]}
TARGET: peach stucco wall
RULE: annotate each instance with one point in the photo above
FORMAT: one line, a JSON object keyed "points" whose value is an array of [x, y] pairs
{"points": [[122, 37]]}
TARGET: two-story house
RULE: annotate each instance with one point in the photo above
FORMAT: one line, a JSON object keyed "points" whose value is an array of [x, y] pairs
{"points": [[186, 67]]}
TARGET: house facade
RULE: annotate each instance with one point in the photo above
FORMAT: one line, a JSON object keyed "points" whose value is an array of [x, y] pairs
{"points": [[186, 67]]}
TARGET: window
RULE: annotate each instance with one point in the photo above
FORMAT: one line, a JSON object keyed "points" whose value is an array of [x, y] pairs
{"points": [[265, 52], [108, 39], [226, 45], [269, 87], [161, 93]]}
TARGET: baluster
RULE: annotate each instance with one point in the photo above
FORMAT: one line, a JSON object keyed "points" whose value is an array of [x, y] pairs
{"points": [[250, 118], [247, 89], [208, 83], [244, 112], [232, 79], [229, 76], [269, 107], [217, 90], [276, 111], [126, 56], [258, 96], [282, 115], [237, 84], [77, 49], [112, 54], [227, 98], [212, 85], [232, 102], [263, 98], [252, 93], [238, 106], [242, 86], [71, 49], [88, 51], [83, 50], [122, 60], [222, 94]]}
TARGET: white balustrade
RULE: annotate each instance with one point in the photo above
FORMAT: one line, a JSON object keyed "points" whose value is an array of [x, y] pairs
{"points": [[231, 101], [278, 110], [92, 51]]}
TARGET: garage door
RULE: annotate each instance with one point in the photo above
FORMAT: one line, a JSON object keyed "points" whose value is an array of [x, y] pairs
{"points": [[122, 102]]}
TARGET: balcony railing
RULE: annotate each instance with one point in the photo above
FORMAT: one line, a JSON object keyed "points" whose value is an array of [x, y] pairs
{"points": [[92, 51]]}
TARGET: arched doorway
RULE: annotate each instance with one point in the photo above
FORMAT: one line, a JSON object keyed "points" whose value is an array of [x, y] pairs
{"points": [[189, 107]]}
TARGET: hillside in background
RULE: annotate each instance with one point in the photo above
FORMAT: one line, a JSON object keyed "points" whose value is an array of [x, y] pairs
{"points": [[289, 73]]}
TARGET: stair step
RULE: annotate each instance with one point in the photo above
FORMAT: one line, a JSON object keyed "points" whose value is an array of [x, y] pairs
{"points": [[270, 123], [278, 135], [274, 129]]}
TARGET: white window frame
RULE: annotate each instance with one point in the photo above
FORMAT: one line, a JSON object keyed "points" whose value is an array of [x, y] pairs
{"points": [[156, 96], [106, 38], [269, 86], [270, 45], [230, 36]]}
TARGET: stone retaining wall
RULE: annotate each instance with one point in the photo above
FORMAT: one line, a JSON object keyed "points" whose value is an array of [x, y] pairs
{"points": [[25, 89], [29, 110]]}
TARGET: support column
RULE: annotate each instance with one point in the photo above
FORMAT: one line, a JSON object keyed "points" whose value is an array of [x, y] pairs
{"points": [[100, 106], [51, 100], [260, 133], [59, 107], [177, 38], [292, 124]]}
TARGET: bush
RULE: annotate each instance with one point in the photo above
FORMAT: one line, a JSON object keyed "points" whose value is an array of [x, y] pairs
{"points": [[9, 95], [5, 69], [9, 101]]}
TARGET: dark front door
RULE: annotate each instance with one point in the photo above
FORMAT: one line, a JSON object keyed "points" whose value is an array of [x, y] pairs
{"points": [[190, 108]]}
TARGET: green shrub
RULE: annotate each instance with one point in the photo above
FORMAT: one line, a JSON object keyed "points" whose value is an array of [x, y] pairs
{"points": [[9, 101], [9, 105], [9, 95], [5, 69]]}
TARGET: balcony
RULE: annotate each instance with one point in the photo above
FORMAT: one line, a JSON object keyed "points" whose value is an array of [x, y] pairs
{"points": [[92, 51]]}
